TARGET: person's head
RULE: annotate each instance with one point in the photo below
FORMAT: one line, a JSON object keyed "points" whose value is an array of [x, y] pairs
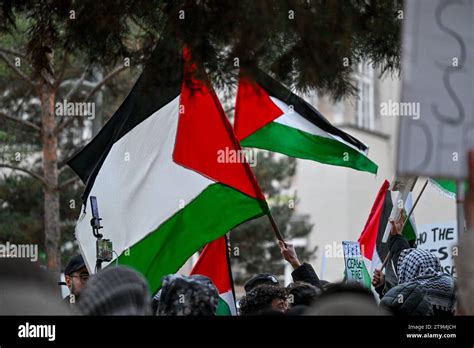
{"points": [[301, 293], [424, 268], [414, 263], [28, 289], [346, 299], [116, 290], [187, 295], [263, 298], [260, 279], [76, 275]]}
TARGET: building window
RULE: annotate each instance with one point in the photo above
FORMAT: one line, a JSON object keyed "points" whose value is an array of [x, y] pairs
{"points": [[365, 102]]}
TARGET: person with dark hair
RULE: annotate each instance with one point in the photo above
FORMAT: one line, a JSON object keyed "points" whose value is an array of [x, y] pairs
{"points": [[260, 279], [301, 293], [193, 295], [76, 276], [115, 290], [264, 298], [407, 300]]}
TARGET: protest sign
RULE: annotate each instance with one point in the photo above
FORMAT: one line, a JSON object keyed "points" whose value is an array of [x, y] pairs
{"points": [[441, 239], [438, 82], [355, 266]]}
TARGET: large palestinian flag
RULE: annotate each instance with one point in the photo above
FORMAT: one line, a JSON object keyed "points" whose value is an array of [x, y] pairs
{"points": [[214, 263], [269, 116], [161, 190]]}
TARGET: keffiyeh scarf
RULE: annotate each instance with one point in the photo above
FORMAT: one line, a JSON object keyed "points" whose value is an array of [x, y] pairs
{"points": [[424, 268]]}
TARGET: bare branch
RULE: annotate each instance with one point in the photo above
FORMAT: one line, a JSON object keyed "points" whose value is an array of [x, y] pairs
{"points": [[106, 79], [69, 181], [98, 86], [24, 170], [64, 125], [23, 122], [62, 69], [77, 85], [15, 69], [62, 164], [13, 52]]}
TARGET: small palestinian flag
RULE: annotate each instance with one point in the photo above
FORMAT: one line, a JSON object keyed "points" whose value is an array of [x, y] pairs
{"points": [[269, 116], [214, 263], [370, 240], [161, 190], [445, 187]]}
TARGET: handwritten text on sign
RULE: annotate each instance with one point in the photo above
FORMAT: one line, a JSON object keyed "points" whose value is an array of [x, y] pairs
{"points": [[437, 75], [440, 239]]}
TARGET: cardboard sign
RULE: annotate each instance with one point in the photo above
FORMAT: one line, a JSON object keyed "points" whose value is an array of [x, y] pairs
{"points": [[355, 266], [440, 238], [437, 104]]}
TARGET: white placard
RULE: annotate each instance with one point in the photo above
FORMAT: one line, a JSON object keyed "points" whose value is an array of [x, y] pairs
{"points": [[437, 103], [440, 239]]}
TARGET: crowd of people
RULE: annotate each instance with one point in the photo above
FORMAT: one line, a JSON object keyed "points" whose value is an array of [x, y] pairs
{"points": [[413, 285]]}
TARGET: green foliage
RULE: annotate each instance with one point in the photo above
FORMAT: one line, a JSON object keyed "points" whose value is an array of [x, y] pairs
{"points": [[254, 245], [303, 43]]}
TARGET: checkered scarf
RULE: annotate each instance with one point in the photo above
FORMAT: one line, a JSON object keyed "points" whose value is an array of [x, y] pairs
{"points": [[115, 290], [424, 268]]}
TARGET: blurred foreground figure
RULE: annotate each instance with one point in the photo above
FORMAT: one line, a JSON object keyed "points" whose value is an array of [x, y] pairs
{"points": [[346, 299], [407, 300], [193, 295], [26, 289], [465, 259], [116, 290]]}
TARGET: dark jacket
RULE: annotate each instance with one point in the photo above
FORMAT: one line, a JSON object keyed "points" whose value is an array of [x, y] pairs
{"points": [[396, 244], [406, 300], [305, 273]]}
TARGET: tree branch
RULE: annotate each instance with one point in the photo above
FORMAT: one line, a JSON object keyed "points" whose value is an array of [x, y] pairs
{"points": [[15, 69], [62, 69], [65, 124], [23, 122], [68, 182], [99, 85], [13, 52], [24, 170], [77, 84]]}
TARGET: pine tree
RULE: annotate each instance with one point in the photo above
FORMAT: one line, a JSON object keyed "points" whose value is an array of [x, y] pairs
{"points": [[253, 244], [47, 44]]}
